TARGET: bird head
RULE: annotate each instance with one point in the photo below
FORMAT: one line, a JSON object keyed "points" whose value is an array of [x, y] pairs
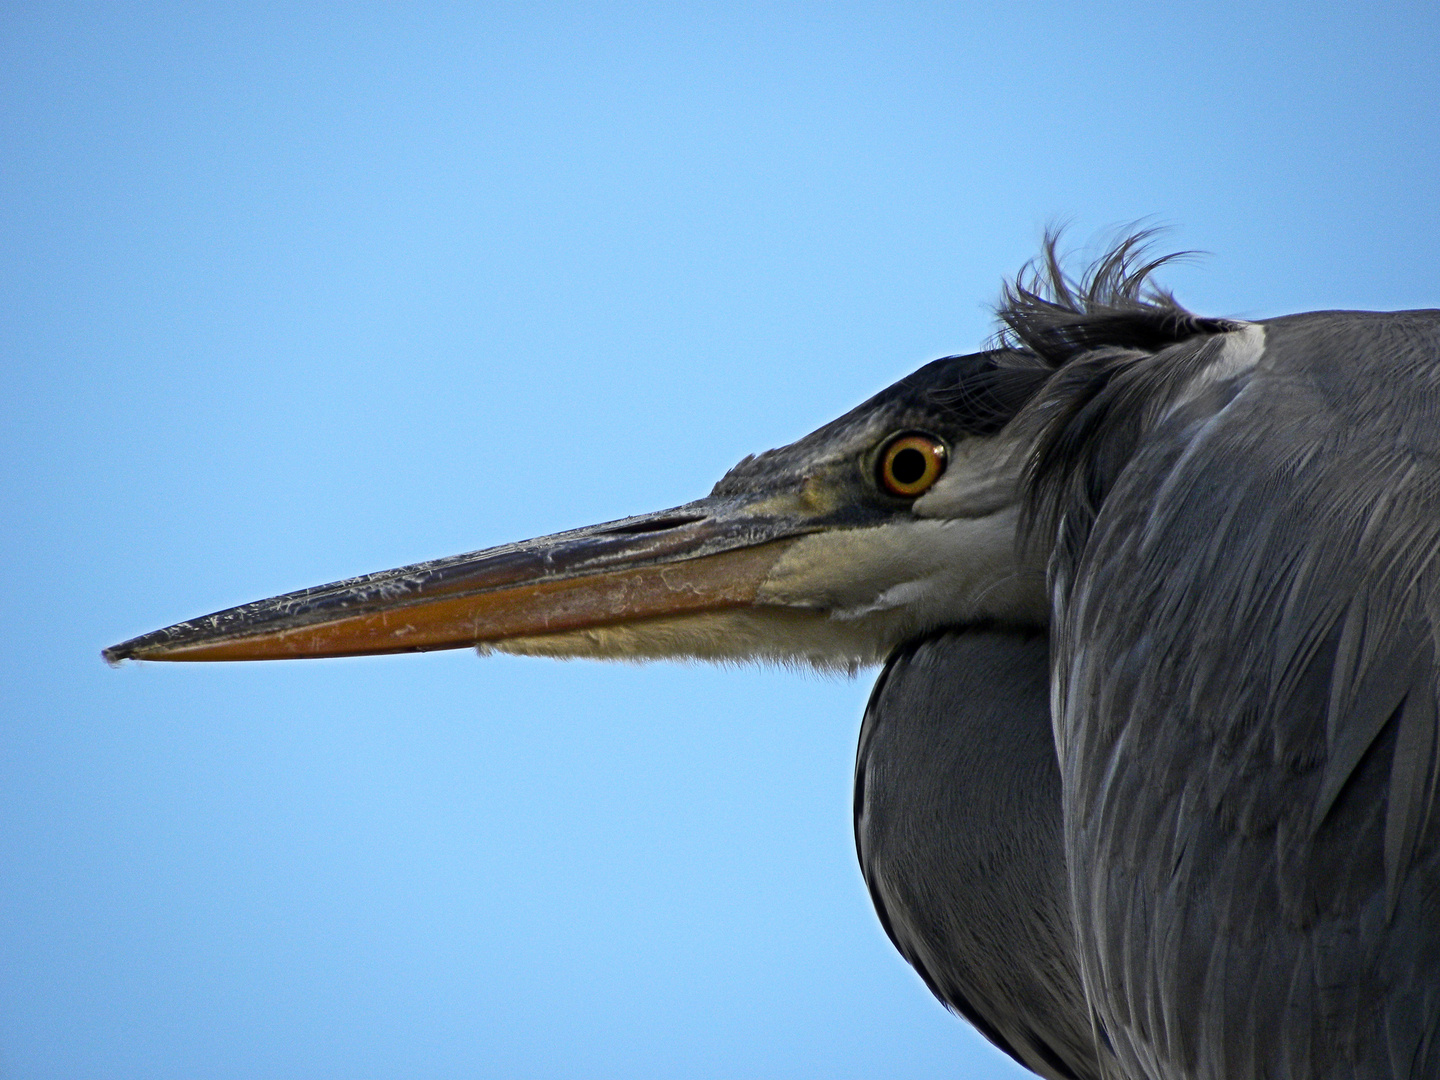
{"points": [[893, 520]]}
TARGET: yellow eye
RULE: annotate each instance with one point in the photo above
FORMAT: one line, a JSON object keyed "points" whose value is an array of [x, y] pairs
{"points": [[911, 464]]}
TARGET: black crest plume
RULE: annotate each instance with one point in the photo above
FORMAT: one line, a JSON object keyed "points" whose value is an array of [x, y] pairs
{"points": [[1114, 304]]}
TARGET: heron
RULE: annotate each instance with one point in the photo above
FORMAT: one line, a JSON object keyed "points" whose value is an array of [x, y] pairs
{"points": [[1146, 785]]}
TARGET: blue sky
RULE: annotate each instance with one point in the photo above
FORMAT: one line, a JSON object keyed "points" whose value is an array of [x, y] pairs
{"points": [[289, 293]]}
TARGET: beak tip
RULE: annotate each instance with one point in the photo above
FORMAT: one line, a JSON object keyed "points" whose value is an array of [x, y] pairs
{"points": [[116, 655]]}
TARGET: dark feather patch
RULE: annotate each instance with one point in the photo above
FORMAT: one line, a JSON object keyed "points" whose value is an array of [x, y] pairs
{"points": [[992, 392], [1114, 304]]}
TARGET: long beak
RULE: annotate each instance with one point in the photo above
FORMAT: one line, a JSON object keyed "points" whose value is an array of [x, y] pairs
{"points": [[705, 556]]}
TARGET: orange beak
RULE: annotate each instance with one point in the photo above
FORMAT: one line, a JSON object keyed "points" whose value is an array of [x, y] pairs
{"points": [[707, 555]]}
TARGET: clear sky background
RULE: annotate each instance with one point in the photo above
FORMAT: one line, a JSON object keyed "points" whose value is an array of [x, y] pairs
{"points": [[289, 293]]}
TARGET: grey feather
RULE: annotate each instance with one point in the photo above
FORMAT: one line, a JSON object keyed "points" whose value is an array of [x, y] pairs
{"points": [[1246, 601], [957, 824]]}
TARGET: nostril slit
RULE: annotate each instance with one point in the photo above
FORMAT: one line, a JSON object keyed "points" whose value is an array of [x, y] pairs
{"points": [[653, 525]]}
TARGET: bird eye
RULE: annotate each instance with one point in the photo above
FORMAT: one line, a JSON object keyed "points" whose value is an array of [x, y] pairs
{"points": [[911, 464]]}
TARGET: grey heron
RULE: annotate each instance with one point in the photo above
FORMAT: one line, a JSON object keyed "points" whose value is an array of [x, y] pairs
{"points": [[1217, 859]]}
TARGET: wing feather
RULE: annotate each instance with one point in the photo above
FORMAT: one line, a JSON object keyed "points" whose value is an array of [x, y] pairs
{"points": [[1245, 692]]}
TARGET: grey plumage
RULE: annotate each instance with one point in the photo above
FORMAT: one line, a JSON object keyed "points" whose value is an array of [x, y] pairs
{"points": [[1244, 528], [957, 825]]}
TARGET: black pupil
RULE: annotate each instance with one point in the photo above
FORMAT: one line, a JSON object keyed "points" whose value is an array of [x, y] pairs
{"points": [[908, 466]]}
